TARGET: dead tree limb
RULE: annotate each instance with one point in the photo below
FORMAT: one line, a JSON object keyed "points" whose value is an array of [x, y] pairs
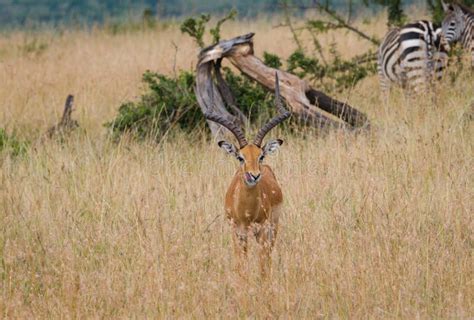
{"points": [[305, 102], [66, 124], [208, 94], [227, 93], [209, 97]]}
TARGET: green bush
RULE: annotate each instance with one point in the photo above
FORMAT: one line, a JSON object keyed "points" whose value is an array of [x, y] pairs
{"points": [[272, 60], [303, 66], [170, 103]]}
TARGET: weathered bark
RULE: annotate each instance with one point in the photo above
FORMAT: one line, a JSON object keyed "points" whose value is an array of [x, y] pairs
{"points": [[341, 110], [208, 95], [304, 101], [227, 93]]}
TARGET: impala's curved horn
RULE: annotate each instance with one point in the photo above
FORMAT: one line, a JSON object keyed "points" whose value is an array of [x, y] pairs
{"points": [[232, 127], [276, 120]]}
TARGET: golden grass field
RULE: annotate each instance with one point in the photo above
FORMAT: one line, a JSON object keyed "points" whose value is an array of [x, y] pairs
{"points": [[378, 225]]}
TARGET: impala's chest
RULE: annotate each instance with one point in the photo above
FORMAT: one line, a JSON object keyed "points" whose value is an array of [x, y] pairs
{"points": [[246, 207], [251, 210]]}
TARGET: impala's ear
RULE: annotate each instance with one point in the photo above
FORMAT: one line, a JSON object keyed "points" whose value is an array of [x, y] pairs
{"points": [[228, 147], [271, 146]]}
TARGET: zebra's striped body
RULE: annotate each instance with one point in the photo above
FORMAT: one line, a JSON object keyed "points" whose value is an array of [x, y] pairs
{"points": [[458, 26], [411, 56]]}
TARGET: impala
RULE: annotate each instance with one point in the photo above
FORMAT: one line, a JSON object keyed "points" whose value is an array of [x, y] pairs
{"points": [[253, 199]]}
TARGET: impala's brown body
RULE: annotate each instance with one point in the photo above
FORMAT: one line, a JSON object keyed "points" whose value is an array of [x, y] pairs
{"points": [[254, 208], [245, 204], [254, 197]]}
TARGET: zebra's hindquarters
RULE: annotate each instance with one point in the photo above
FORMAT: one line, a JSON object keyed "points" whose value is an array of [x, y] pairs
{"points": [[387, 60], [412, 56]]}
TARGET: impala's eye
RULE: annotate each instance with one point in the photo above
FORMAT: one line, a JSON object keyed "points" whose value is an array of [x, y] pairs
{"points": [[260, 159], [241, 159]]}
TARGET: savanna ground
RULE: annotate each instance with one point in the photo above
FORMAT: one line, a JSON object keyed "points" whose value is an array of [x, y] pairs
{"points": [[377, 225]]}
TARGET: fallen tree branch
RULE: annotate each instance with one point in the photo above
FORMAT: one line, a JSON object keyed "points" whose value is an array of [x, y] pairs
{"points": [[304, 101], [208, 95], [227, 93]]}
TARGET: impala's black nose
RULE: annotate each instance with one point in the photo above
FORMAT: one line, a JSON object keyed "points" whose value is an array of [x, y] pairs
{"points": [[255, 177], [251, 178]]}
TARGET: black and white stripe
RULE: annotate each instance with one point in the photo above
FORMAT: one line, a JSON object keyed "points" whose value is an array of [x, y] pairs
{"points": [[411, 56], [458, 26]]}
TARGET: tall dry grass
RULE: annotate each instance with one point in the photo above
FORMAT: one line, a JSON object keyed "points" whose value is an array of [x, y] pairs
{"points": [[374, 226]]}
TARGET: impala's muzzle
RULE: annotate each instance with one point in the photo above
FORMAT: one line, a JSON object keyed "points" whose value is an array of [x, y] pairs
{"points": [[251, 179]]}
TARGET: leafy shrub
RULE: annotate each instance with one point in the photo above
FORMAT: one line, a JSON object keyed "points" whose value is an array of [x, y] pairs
{"points": [[196, 27], [328, 70], [303, 66], [11, 144], [272, 60], [170, 103]]}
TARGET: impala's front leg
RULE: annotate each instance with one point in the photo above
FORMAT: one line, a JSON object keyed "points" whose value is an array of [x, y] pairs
{"points": [[240, 245], [266, 238]]}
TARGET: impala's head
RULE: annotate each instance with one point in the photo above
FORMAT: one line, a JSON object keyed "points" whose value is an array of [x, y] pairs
{"points": [[251, 155]]}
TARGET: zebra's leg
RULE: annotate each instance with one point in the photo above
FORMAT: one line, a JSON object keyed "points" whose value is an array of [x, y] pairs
{"points": [[416, 77]]}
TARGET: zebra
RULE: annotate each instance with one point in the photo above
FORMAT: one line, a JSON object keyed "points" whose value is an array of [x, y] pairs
{"points": [[412, 55], [458, 26]]}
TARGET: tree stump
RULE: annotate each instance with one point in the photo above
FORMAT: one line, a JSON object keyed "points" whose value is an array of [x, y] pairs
{"points": [[66, 124]]}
